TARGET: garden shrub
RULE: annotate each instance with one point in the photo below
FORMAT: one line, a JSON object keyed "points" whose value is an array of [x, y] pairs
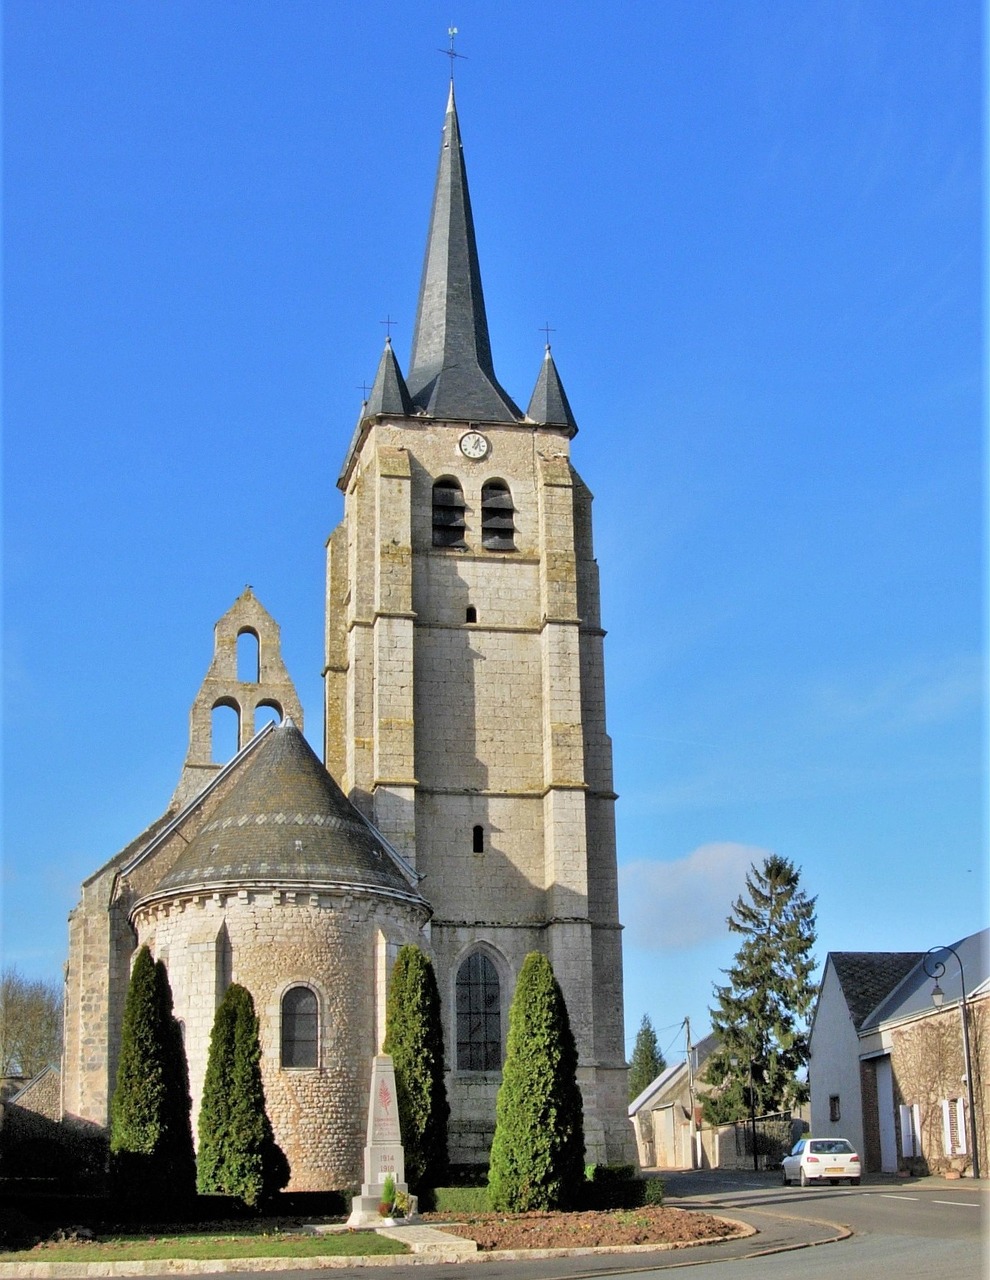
{"points": [[537, 1156], [238, 1154], [414, 1039]]}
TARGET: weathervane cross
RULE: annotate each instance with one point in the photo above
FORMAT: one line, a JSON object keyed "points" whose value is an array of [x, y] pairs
{"points": [[451, 53], [546, 331]]}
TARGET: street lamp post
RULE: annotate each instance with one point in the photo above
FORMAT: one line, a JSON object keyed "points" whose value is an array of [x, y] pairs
{"points": [[752, 1110], [935, 968]]}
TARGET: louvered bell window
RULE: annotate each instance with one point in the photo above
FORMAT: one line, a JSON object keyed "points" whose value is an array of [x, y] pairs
{"points": [[497, 524], [448, 514]]}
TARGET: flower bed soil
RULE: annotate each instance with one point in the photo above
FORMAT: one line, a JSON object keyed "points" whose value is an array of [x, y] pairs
{"points": [[649, 1225]]}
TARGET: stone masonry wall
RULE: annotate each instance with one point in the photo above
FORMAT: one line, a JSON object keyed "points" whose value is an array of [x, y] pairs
{"points": [[508, 724], [276, 940]]}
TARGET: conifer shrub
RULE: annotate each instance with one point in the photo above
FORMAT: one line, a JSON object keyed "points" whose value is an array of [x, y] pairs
{"points": [[151, 1148], [537, 1157], [647, 1060], [238, 1155], [414, 1039]]}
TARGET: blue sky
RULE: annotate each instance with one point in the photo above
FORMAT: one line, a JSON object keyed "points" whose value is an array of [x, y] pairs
{"points": [[755, 230]]}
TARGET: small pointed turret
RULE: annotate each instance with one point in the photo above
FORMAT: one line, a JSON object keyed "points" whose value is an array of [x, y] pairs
{"points": [[451, 373], [548, 404], [388, 393]]}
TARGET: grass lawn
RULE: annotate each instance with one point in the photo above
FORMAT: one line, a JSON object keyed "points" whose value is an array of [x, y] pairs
{"points": [[124, 1248]]}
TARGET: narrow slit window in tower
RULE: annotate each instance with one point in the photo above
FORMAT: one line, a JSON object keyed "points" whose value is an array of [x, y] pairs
{"points": [[478, 840], [472, 614]]}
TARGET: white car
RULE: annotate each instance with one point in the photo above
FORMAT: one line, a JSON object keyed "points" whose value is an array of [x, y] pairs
{"points": [[820, 1160]]}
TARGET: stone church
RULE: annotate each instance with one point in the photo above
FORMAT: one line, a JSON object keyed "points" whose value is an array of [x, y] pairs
{"points": [[464, 801]]}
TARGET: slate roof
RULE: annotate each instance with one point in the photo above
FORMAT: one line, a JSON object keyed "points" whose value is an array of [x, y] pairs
{"points": [[913, 995], [867, 977], [388, 393], [286, 822], [451, 373], [548, 404]]}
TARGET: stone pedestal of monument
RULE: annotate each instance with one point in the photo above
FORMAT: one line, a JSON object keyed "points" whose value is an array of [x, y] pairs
{"points": [[383, 1154]]}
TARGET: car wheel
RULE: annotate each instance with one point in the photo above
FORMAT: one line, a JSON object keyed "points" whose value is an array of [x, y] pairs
{"points": [[786, 1180], [854, 1182], [803, 1178]]}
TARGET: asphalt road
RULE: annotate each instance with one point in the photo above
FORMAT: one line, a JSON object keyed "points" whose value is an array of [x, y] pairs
{"points": [[912, 1230]]}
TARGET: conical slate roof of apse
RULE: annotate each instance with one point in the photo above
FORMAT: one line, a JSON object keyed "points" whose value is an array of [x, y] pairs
{"points": [[548, 403], [388, 394], [451, 373], [287, 822]]}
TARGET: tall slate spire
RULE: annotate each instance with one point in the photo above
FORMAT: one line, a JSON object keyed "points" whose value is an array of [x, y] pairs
{"points": [[451, 373]]}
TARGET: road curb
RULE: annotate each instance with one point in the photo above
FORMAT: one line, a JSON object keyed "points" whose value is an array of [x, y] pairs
{"points": [[428, 1253]]}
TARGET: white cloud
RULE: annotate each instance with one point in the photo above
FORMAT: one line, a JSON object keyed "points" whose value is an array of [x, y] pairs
{"points": [[667, 906]]}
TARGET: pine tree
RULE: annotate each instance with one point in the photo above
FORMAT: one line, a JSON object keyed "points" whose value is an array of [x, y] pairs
{"points": [[647, 1061], [150, 1133], [537, 1156], [414, 1038], [238, 1154], [761, 1019]]}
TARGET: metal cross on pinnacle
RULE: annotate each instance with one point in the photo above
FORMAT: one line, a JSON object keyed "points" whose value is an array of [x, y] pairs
{"points": [[451, 53]]}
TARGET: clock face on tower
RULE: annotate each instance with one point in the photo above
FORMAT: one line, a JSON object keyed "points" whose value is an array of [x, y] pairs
{"points": [[474, 445]]}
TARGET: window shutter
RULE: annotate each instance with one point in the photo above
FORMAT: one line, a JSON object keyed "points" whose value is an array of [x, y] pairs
{"points": [[947, 1144], [909, 1130], [960, 1127]]}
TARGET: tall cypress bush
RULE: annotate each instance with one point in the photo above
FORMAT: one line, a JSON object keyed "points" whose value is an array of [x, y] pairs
{"points": [[414, 1038], [151, 1146], [537, 1157], [238, 1154]]}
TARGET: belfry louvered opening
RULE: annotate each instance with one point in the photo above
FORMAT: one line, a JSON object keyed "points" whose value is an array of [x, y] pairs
{"points": [[497, 524], [448, 513]]}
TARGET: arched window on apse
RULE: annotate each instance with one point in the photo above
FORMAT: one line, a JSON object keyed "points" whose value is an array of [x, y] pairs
{"points": [[225, 732], [248, 657], [479, 1015], [300, 1027]]}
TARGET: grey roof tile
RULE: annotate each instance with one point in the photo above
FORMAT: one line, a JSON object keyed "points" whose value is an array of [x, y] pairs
{"points": [[388, 393], [867, 977], [286, 821], [548, 404]]}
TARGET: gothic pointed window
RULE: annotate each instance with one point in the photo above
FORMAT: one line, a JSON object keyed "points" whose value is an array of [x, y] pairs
{"points": [[497, 524], [448, 513], [300, 1025], [479, 1015]]}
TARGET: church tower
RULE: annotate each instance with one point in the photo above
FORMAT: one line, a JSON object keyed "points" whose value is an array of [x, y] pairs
{"points": [[464, 681]]}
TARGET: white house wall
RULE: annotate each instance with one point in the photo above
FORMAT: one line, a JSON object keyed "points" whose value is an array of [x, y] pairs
{"points": [[834, 1068]]}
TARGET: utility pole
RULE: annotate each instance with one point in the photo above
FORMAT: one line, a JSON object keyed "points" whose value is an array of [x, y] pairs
{"points": [[695, 1163]]}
